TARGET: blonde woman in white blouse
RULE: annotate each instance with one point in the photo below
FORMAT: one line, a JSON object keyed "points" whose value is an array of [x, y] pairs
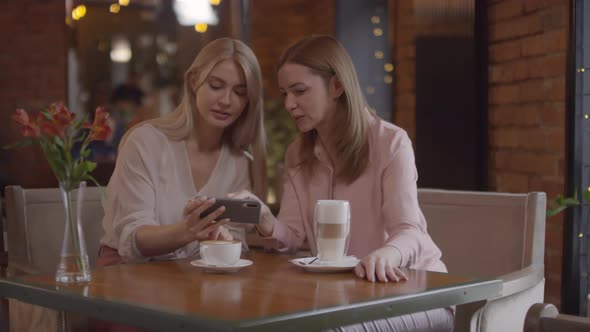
{"points": [[212, 144]]}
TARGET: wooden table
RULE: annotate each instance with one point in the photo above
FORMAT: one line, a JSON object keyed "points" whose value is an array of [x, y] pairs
{"points": [[271, 295]]}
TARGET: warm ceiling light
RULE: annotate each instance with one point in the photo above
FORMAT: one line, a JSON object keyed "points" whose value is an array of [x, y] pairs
{"points": [[121, 50], [191, 12], [124, 3], [201, 27], [115, 8], [215, 2]]}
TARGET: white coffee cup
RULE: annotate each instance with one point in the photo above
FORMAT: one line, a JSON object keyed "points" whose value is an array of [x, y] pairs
{"points": [[221, 252], [332, 229]]}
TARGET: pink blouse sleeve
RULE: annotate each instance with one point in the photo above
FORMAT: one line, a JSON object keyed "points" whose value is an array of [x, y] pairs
{"points": [[289, 230], [404, 223]]}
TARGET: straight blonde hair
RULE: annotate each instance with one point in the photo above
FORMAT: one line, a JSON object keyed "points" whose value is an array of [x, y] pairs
{"points": [[247, 132], [326, 57]]}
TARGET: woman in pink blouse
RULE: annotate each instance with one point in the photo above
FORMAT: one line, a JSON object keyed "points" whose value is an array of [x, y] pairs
{"points": [[212, 144], [346, 152]]}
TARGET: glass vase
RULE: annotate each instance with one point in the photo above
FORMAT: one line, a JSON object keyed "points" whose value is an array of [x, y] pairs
{"points": [[73, 264]]}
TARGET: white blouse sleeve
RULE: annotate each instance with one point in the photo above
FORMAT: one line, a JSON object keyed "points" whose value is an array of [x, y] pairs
{"points": [[242, 182], [131, 190]]}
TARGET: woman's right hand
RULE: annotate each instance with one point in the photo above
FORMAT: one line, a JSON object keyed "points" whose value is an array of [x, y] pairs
{"points": [[266, 225], [206, 227]]}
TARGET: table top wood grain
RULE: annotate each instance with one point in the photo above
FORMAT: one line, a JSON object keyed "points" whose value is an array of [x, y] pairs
{"points": [[271, 294]]}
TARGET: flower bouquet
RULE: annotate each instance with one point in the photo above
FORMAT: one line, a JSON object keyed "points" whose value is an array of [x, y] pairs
{"points": [[64, 141]]}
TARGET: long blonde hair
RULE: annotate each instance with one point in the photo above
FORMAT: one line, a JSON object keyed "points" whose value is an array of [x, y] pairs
{"points": [[247, 132], [326, 57]]}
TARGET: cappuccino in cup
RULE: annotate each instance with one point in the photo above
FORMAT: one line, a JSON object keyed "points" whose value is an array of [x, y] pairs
{"points": [[221, 252], [332, 228]]}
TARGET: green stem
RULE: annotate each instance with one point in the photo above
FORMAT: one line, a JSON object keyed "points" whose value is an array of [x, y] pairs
{"points": [[73, 230]]}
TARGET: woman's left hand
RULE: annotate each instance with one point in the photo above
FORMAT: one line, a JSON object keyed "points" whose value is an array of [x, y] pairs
{"points": [[381, 265], [221, 233]]}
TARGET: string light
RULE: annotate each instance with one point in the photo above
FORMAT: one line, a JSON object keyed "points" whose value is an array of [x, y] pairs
{"points": [[388, 79], [124, 3], [114, 8], [201, 27], [378, 32], [78, 12], [215, 2], [585, 116], [388, 67], [378, 54], [375, 19], [370, 90]]}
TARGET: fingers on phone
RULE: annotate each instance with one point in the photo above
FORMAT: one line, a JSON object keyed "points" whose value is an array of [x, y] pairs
{"points": [[221, 222], [202, 206], [191, 205], [211, 227], [213, 215]]}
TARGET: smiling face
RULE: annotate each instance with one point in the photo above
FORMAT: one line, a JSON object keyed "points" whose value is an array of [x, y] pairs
{"points": [[223, 96], [309, 98]]}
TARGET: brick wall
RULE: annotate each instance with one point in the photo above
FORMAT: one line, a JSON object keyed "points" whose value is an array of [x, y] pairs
{"points": [[403, 19], [277, 24], [33, 73], [527, 55], [527, 63]]}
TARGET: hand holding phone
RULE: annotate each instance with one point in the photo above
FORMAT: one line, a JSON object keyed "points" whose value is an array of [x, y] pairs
{"points": [[237, 210]]}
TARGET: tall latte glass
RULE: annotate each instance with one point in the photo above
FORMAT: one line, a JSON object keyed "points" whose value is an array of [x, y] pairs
{"points": [[332, 229]]}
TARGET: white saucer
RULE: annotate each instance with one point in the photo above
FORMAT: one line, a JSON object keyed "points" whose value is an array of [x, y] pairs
{"points": [[346, 264], [242, 263]]}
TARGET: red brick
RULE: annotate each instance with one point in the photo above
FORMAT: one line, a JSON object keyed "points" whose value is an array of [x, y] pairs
{"points": [[504, 10], [406, 120], [522, 114], [548, 42], [406, 36], [406, 101], [530, 162], [405, 84], [504, 137], [508, 50], [407, 52], [556, 139], [406, 69], [533, 46], [552, 114], [554, 229], [512, 182], [547, 66], [508, 72], [533, 5], [557, 40], [556, 17], [532, 90], [516, 27], [504, 94], [548, 89], [555, 89]]}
